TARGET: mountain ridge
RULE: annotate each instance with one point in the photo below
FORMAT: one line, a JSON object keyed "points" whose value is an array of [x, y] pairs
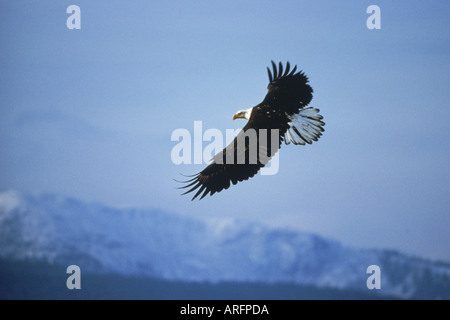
{"points": [[169, 246]]}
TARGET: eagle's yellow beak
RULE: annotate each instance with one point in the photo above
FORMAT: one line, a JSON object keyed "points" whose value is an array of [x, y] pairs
{"points": [[238, 116]]}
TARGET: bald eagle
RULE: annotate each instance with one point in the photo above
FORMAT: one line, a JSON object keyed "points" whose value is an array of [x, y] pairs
{"points": [[283, 112]]}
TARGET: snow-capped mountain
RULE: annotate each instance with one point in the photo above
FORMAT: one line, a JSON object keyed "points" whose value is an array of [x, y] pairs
{"points": [[154, 243]]}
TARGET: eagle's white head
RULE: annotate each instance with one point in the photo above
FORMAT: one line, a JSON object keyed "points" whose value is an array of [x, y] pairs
{"points": [[243, 114]]}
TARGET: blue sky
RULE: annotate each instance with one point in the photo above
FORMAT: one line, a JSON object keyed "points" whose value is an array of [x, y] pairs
{"points": [[89, 113]]}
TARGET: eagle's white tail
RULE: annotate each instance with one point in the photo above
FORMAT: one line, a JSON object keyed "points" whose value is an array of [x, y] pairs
{"points": [[305, 127]]}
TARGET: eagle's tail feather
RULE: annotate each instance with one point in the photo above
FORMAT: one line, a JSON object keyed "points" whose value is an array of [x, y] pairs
{"points": [[305, 127]]}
